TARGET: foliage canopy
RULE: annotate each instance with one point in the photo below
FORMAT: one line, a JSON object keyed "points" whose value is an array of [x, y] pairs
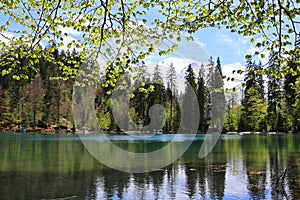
{"points": [[140, 27]]}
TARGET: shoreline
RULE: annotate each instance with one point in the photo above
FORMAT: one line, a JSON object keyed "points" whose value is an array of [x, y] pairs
{"points": [[55, 130]]}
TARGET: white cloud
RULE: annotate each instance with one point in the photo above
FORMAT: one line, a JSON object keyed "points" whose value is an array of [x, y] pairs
{"points": [[226, 39], [228, 71], [5, 37], [243, 40], [239, 52], [187, 50], [180, 64], [231, 42], [252, 51], [67, 40], [70, 31], [201, 44]]}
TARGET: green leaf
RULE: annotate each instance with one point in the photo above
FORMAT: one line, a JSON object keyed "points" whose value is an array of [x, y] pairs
{"points": [[151, 88], [240, 71], [248, 57], [15, 77], [258, 44], [4, 72]]}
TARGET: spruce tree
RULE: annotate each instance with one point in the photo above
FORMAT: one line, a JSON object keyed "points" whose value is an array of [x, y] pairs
{"points": [[189, 102], [172, 88], [274, 97], [218, 98], [202, 93], [157, 77], [260, 81], [296, 106], [290, 92], [253, 111], [232, 113]]}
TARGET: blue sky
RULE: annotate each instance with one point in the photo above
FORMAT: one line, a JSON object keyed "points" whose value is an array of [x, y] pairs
{"points": [[230, 47]]}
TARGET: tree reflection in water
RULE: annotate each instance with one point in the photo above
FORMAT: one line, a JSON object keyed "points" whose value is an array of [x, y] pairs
{"points": [[240, 167]]}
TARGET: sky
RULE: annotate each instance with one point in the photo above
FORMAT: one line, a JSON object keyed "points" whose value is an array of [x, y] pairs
{"points": [[230, 47]]}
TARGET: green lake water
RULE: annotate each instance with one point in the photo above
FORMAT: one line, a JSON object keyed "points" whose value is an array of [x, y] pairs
{"points": [[36, 166]]}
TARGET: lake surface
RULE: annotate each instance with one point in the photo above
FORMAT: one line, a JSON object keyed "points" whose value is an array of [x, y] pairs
{"points": [[36, 166]]}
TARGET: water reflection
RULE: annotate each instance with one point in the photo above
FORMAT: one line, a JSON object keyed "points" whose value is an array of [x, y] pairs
{"points": [[247, 167]]}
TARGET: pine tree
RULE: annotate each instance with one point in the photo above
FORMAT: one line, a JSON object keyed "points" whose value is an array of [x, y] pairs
{"points": [[232, 113], [189, 102], [218, 66], [249, 79], [202, 93], [50, 101], [3, 106], [216, 94], [172, 88], [159, 95], [140, 100], [190, 77], [218, 98], [274, 98], [290, 92], [253, 111], [260, 81], [296, 105], [157, 77], [210, 85]]}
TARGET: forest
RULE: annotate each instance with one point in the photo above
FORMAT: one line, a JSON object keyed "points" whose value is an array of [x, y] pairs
{"points": [[42, 99]]}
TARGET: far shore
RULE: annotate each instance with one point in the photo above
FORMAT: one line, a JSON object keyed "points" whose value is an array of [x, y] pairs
{"points": [[65, 130]]}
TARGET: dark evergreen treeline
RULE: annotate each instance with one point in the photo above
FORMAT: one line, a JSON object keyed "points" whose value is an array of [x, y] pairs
{"points": [[268, 104], [165, 94], [43, 97]]}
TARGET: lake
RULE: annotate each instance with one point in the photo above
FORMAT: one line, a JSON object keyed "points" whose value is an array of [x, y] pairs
{"points": [[37, 166]]}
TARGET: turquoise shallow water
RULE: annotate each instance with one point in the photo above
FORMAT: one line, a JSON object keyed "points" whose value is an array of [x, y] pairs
{"points": [[38, 166]]}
